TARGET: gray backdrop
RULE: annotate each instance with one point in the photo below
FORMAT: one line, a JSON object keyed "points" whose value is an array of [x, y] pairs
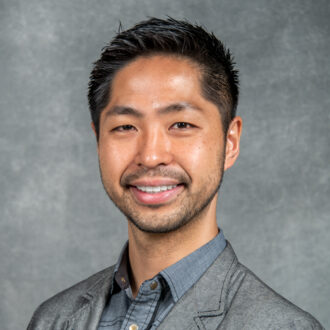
{"points": [[58, 226]]}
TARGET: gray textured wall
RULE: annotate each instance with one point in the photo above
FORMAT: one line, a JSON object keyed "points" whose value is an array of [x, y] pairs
{"points": [[57, 225]]}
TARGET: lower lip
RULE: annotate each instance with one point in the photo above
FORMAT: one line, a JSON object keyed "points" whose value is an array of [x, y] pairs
{"points": [[156, 198]]}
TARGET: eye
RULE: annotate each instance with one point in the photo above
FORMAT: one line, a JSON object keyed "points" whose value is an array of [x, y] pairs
{"points": [[182, 125], [123, 128]]}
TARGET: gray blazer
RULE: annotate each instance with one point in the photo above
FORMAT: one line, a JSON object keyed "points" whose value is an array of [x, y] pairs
{"points": [[228, 296]]}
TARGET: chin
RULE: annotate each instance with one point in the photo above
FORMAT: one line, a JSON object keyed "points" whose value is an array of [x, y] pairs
{"points": [[158, 228]]}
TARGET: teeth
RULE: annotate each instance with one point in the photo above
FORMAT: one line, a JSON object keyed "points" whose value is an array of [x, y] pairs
{"points": [[155, 189]]}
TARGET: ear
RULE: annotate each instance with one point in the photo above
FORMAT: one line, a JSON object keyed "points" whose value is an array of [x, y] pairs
{"points": [[232, 141]]}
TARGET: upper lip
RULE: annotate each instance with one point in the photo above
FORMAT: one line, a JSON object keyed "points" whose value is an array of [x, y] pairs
{"points": [[154, 182]]}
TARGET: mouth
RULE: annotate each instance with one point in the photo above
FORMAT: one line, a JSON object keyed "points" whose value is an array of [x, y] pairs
{"points": [[159, 194]]}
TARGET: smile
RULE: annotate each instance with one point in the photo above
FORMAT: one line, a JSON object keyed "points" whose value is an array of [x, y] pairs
{"points": [[155, 189], [152, 195]]}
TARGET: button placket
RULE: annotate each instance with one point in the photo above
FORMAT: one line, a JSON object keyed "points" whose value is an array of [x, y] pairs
{"points": [[143, 306]]}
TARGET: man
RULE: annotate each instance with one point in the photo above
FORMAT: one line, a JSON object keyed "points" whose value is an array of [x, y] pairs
{"points": [[163, 100]]}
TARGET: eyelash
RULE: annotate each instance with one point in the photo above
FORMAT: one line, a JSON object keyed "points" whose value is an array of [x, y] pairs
{"points": [[123, 128], [187, 125]]}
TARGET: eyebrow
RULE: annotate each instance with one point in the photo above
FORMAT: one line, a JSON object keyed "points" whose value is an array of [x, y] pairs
{"points": [[125, 110]]}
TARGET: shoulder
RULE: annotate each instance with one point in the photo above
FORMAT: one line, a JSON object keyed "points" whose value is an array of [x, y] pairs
{"points": [[260, 307], [66, 303]]}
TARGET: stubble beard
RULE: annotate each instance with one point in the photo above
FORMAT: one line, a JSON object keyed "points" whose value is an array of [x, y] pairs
{"points": [[189, 208]]}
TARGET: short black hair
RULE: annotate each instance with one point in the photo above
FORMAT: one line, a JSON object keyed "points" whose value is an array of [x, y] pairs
{"points": [[169, 37]]}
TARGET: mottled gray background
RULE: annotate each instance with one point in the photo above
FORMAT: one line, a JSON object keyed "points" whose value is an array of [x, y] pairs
{"points": [[57, 225]]}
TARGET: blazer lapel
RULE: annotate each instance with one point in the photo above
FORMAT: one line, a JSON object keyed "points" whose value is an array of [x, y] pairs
{"points": [[87, 317], [204, 305]]}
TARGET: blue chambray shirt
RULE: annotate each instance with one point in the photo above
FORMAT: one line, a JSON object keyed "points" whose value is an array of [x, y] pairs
{"points": [[157, 296]]}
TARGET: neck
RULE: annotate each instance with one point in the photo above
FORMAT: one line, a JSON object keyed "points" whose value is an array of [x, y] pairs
{"points": [[150, 253]]}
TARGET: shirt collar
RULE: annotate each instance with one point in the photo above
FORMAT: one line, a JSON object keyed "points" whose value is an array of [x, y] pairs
{"points": [[182, 275], [121, 279]]}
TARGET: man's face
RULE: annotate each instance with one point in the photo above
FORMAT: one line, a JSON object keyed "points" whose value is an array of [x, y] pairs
{"points": [[161, 144]]}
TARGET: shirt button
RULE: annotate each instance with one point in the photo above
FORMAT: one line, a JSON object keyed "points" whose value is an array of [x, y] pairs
{"points": [[133, 327], [153, 285]]}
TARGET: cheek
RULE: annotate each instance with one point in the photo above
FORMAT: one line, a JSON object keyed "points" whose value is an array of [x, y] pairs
{"points": [[200, 156], [113, 161]]}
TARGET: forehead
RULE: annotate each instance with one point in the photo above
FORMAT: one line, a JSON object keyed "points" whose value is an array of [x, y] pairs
{"points": [[158, 76]]}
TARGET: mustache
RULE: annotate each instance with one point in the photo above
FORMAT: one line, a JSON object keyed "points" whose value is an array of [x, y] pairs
{"points": [[180, 176]]}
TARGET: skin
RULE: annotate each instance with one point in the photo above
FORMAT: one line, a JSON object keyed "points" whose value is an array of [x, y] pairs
{"points": [[158, 129]]}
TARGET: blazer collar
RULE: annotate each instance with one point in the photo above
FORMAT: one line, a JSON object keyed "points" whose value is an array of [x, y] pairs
{"points": [[92, 302], [102, 287]]}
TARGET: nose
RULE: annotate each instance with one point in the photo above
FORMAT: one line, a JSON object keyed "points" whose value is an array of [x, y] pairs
{"points": [[154, 149]]}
